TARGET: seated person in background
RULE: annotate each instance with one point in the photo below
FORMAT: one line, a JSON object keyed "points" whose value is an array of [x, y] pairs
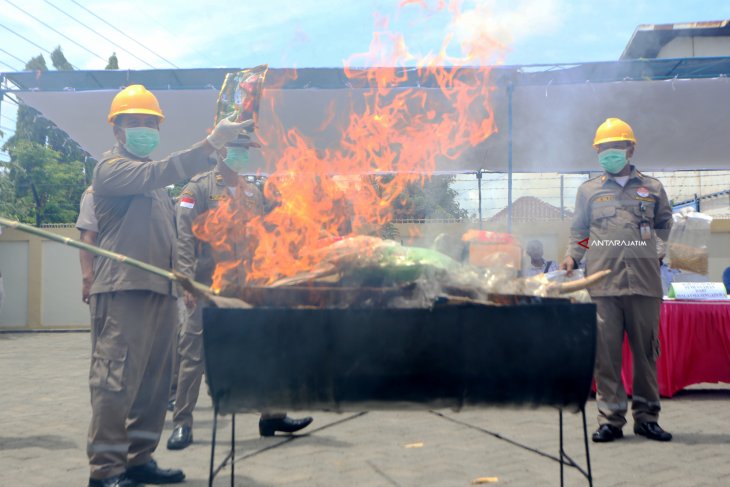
{"points": [[538, 265], [725, 279]]}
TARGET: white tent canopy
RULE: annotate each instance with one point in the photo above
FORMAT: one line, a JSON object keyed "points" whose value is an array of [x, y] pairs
{"points": [[681, 123]]}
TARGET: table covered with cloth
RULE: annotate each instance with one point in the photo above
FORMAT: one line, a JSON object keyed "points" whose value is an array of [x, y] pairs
{"points": [[694, 337]]}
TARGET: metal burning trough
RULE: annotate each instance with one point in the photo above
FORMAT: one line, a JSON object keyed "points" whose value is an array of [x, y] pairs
{"points": [[453, 356]]}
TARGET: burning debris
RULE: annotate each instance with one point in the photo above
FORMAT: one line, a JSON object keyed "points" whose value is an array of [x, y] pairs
{"points": [[327, 203]]}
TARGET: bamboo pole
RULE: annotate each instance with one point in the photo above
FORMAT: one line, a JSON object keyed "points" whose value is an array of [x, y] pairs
{"points": [[107, 253]]}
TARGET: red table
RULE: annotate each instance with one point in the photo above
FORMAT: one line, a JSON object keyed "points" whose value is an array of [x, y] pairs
{"points": [[695, 346]]}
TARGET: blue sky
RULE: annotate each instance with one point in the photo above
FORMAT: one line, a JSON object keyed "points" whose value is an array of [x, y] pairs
{"points": [[312, 33], [320, 33]]}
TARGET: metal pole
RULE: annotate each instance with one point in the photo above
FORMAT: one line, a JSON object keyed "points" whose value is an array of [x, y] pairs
{"points": [[510, 88], [562, 197], [479, 182]]}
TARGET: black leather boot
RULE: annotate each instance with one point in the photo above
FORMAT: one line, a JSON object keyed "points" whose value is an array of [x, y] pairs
{"points": [[117, 481], [150, 473], [606, 433], [269, 427], [181, 437]]}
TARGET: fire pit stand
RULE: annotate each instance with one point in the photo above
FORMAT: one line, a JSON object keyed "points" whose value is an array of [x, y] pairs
{"points": [[466, 356]]}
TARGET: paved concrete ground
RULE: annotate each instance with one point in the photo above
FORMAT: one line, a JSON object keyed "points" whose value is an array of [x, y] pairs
{"points": [[44, 412]]}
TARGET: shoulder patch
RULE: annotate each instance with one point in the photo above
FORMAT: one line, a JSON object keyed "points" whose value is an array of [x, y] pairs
{"points": [[646, 176], [187, 202], [197, 177], [114, 160]]}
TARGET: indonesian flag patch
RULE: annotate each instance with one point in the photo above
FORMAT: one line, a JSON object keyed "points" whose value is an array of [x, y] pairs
{"points": [[187, 202]]}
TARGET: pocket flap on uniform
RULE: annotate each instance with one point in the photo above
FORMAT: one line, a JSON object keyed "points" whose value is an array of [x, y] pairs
{"points": [[107, 367], [604, 211], [110, 351]]}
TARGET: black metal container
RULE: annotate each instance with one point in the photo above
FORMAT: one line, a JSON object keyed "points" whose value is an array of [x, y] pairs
{"points": [[291, 359]]}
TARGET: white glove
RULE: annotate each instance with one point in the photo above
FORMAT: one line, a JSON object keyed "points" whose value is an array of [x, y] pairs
{"points": [[226, 131]]}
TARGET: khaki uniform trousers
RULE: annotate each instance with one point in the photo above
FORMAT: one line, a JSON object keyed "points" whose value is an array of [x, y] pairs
{"points": [[638, 316], [182, 318], [132, 335], [191, 368]]}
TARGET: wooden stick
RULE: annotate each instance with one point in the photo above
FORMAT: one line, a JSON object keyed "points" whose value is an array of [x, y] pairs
{"points": [[103, 252]]}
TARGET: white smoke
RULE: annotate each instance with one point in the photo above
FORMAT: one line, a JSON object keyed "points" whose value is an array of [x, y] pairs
{"points": [[506, 21]]}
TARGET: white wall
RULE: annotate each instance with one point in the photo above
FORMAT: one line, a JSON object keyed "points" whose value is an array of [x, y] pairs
{"points": [[14, 268], [696, 47], [61, 287]]}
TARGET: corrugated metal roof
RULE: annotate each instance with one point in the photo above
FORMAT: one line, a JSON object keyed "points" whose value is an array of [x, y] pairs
{"points": [[334, 78], [648, 39], [531, 209]]}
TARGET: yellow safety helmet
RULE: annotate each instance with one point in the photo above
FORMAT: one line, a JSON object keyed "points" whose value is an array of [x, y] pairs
{"points": [[612, 130], [135, 99]]}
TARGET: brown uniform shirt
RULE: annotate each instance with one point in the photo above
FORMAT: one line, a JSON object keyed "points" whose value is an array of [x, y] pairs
{"points": [[204, 191], [87, 216], [136, 216], [609, 216]]}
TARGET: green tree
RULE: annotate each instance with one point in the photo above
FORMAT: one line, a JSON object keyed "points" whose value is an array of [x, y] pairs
{"points": [[9, 207], [47, 189], [434, 199], [59, 60], [46, 168], [37, 63], [113, 62]]}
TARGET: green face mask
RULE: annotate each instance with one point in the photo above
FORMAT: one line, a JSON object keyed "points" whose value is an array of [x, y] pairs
{"points": [[237, 158], [613, 160], [141, 141]]}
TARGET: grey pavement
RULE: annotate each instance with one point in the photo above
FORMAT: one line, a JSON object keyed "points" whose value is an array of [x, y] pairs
{"points": [[44, 413]]}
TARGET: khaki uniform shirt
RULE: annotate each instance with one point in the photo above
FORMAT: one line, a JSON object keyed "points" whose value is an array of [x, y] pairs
{"points": [[195, 258], [87, 216], [609, 216], [136, 216]]}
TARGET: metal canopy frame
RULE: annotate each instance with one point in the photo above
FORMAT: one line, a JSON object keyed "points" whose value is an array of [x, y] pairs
{"points": [[510, 82], [333, 78]]}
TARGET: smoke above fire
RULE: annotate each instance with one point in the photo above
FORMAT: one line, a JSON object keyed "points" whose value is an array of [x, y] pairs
{"points": [[405, 113]]}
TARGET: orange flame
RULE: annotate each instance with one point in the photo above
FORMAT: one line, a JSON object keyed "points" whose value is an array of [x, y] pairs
{"points": [[394, 140]]}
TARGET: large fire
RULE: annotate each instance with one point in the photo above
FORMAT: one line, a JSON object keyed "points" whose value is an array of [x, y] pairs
{"points": [[395, 140]]}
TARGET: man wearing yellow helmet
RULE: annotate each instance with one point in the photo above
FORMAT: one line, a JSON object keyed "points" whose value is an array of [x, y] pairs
{"points": [[618, 217], [134, 314]]}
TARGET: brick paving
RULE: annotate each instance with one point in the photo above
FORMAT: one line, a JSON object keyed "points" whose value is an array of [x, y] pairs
{"points": [[44, 413]]}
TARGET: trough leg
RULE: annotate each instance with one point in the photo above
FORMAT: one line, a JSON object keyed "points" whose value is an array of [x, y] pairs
{"points": [[585, 441], [562, 451], [233, 447], [212, 447]]}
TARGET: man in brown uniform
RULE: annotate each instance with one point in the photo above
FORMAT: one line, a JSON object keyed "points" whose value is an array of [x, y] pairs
{"points": [[196, 259], [88, 229], [134, 313], [618, 216]]}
